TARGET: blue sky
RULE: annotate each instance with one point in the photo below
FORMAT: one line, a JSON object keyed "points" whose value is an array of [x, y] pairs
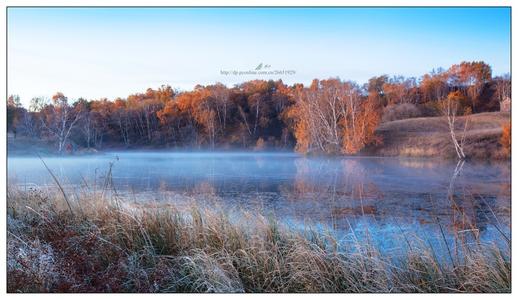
{"points": [[93, 53]]}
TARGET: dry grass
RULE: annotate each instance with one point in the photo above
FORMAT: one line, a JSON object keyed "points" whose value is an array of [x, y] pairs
{"points": [[118, 246], [429, 137]]}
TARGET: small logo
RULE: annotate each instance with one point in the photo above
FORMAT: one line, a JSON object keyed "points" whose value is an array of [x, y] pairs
{"points": [[261, 66]]}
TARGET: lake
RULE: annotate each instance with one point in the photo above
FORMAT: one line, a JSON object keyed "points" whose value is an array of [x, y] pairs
{"points": [[351, 197]]}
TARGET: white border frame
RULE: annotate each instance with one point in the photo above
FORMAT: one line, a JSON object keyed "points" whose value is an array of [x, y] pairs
{"points": [[3, 137]]}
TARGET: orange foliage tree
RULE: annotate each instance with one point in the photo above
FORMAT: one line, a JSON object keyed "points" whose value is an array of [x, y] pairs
{"points": [[505, 140], [359, 126], [470, 77], [332, 116]]}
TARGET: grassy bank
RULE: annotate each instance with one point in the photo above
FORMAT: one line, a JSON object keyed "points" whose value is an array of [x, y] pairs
{"points": [[22, 145], [429, 137], [92, 244]]}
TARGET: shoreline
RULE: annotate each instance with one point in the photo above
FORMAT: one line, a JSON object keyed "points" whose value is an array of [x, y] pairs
{"points": [[407, 138]]}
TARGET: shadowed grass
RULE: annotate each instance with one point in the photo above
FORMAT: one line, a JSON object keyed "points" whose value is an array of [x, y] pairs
{"points": [[108, 246]]}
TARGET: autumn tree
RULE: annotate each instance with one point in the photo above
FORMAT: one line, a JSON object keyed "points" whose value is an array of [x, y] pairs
{"points": [[60, 117], [205, 114], [193, 114], [170, 119], [15, 113], [505, 139], [100, 114], [399, 90], [122, 120], [31, 124], [360, 119], [471, 77], [220, 94], [316, 114], [375, 88], [96, 122], [503, 87], [434, 86], [332, 116]]}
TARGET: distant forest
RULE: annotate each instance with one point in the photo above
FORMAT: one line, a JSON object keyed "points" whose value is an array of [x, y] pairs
{"points": [[329, 116]]}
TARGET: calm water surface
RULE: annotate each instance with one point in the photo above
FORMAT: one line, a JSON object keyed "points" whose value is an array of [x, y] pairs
{"points": [[378, 198]]}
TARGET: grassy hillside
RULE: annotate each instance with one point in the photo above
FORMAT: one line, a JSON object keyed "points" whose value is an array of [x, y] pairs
{"points": [[429, 137]]}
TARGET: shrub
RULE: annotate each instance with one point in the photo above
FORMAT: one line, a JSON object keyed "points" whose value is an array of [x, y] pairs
{"points": [[505, 140], [402, 111], [260, 144], [430, 109]]}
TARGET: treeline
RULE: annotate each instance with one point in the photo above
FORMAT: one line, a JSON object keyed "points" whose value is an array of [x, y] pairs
{"points": [[329, 116]]}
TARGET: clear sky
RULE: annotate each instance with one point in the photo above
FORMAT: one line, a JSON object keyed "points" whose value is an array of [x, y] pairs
{"points": [[93, 53]]}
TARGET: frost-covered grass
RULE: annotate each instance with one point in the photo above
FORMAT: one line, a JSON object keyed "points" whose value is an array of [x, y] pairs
{"points": [[97, 244]]}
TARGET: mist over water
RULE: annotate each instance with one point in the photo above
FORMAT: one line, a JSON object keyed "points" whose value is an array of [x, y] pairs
{"points": [[378, 198]]}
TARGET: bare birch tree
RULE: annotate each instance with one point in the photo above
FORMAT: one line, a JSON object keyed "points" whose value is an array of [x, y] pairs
{"points": [[450, 109], [503, 87], [60, 119], [332, 116]]}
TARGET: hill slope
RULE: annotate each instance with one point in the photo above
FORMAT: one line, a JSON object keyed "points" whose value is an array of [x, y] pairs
{"points": [[429, 137]]}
